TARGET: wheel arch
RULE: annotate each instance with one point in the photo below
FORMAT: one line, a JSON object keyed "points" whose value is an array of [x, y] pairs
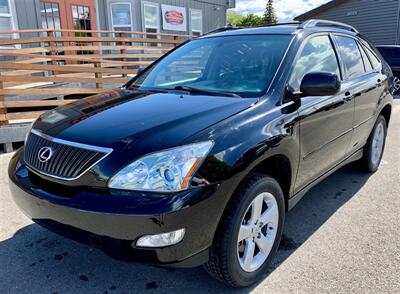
{"points": [[278, 167], [386, 112]]}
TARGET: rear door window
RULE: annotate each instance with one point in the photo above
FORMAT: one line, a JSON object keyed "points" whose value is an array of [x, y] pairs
{"points": [[351, 56]]}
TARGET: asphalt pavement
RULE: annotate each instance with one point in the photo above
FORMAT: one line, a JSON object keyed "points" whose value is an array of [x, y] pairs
{"points": [[343, 237]]}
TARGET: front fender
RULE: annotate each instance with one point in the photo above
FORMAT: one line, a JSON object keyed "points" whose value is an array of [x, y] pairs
{"points": [[247, 139]]}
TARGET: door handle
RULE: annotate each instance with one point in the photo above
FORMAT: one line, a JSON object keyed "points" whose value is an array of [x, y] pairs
{"points": [[348, 97]]}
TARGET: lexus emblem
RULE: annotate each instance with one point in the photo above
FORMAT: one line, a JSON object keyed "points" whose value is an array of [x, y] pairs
{"points": [[45, 154]]}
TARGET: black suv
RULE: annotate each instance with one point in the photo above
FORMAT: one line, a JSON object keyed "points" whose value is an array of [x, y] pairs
{"points": [[391, 54], [197, 159]]}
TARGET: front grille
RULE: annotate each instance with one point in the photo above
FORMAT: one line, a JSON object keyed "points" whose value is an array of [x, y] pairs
{"points": [[68, 160]]}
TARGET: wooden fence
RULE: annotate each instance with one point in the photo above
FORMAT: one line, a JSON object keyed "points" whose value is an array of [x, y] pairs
{"points": [[67, 64]]}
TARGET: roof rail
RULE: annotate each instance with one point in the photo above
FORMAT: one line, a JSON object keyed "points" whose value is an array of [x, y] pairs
{"points": [[231, 28], [222, 29], [298, 23], [311, 23], [327, 23]]}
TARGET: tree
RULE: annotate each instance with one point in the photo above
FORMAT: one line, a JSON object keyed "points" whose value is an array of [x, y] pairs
{"points": [[251, 20], [269, 14], [233, 18]]}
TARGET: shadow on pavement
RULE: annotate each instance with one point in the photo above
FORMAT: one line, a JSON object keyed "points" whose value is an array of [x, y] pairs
{"points": [[36, 260]]}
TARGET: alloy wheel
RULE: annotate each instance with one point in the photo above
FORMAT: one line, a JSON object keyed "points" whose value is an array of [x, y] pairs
{"points": [[257, 232]]}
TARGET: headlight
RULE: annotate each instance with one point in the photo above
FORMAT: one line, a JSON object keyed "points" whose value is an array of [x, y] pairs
{"points": [[165, 171]]}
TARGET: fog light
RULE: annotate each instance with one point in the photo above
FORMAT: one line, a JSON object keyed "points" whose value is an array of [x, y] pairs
{"points": [[161, 240]]}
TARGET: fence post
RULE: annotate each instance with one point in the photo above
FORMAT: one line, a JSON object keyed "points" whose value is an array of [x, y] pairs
{"points": [[7, 147], [3, 109], [175, 38], [52, 46], [123, 51], [98, 75]]}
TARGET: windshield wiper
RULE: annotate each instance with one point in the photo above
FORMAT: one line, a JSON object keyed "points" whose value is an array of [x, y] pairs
{"points": [[151, 90], [194, 90]]}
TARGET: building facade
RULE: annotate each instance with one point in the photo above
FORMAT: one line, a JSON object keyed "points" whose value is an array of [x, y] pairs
{"points": [[162, 16], [378, 20]]}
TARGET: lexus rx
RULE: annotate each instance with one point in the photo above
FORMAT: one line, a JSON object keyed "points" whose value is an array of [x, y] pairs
{"points": [[197, 159]]}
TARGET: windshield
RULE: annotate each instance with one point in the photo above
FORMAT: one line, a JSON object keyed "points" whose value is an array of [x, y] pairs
{"points": [[240, 65]]}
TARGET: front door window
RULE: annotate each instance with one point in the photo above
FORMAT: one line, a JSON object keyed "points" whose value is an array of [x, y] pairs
{"points": [[317, 55]]}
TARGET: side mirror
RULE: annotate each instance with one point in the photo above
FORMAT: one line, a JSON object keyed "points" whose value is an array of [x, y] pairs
{"points": [[320, 84]]}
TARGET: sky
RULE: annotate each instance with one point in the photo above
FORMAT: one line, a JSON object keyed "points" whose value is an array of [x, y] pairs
{"points": [[285, 10]]}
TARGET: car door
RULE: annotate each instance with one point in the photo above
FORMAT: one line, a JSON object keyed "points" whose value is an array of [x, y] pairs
{"points": [[325, 121], [364, 81]]}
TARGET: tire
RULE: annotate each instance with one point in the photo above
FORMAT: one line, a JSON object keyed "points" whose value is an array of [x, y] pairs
{"points": [[373, 150], [227, 261]]}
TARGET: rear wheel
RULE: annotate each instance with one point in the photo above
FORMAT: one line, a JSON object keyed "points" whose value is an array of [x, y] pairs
{"points": [[249, 235], [373, 150]]}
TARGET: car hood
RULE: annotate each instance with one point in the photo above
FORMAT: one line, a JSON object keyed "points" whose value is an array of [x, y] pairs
{"points": [[129, 119]]}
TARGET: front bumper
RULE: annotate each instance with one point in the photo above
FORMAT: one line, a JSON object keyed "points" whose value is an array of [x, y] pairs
{"points": [[113, 221]]}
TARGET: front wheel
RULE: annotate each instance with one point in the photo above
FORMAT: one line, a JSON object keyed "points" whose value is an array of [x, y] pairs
{"points": [[249, 234], [373, 150]]}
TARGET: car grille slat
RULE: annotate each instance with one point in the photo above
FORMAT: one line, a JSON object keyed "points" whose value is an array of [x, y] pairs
{"points": [[58, 149], [68, 161], [71, 164], [68, 154], [62, 161], [79, 162], [85, 165]]}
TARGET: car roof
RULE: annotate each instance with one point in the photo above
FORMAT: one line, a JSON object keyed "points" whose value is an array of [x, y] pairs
{"points": [[286, 28], [257, 31]]}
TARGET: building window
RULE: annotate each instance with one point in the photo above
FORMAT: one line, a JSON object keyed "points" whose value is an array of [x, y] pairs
{"points": [[7, 19], [81, 18], [196, 22], [50, 15], [121, 17], [151, 20]]}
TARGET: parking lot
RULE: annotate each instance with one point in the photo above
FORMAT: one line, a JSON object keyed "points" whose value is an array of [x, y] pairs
{"points": [[344, 236]]}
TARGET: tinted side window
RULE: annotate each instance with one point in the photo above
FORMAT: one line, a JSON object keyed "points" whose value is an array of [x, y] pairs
{"points": [[351, 56], [374, 60], [367, 62], [316, 55]]}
